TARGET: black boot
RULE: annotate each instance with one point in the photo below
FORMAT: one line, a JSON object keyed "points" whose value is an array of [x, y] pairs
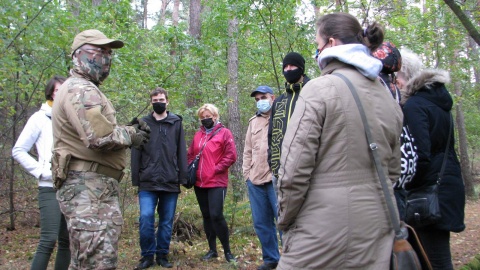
{"points": [[210, 255], [145, 263], [229, 257], [163, 261]]}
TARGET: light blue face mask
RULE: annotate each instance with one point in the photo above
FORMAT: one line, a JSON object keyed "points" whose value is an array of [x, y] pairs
{"points": [[263, 105]]}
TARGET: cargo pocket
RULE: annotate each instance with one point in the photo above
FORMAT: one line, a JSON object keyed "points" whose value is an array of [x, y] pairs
{"points": [[86, 235]]}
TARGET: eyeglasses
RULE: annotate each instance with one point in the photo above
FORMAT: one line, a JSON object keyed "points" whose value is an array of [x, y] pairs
{"points": [[98, 50], [319, 51]]}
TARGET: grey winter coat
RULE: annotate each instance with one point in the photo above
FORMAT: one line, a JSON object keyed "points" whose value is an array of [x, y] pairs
{"points": [[331, 205]]}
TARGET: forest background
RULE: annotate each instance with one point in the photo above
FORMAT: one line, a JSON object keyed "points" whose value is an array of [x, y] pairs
{"points": [[210, 51]]}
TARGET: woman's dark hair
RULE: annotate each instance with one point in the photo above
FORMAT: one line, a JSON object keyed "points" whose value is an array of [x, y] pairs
{"points": [[51, 86], [347, 29]]}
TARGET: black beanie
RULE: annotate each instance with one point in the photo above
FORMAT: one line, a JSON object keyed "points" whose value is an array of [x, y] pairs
{"points": [[295, 59]]}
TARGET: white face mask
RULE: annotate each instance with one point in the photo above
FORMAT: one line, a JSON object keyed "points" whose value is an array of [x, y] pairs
{"points": [[263, 105]]}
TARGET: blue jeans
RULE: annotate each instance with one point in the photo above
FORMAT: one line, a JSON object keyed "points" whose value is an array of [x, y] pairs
{"points": [[264, 213], [166, 203], [53, 229]]}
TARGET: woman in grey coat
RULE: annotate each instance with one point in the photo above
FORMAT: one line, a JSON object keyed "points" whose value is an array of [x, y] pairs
{"points": [[331, 205]]}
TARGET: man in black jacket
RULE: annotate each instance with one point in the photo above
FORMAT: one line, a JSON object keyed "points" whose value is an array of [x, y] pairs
{"points": [[158, 169], [282, 108]]}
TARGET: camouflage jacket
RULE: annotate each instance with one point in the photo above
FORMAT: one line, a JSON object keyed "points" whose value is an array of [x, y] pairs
{"points": [[84, 125]]}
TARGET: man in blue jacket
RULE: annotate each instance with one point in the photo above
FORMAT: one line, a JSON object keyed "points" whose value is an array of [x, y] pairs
{"points": [[158, 169]]}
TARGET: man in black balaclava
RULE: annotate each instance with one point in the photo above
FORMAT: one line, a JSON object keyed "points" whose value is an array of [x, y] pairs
{"points": [[283, 106]]}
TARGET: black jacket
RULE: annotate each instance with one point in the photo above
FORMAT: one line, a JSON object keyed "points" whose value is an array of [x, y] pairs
{"points": [[427, 110], [282, 110], [161, 165]]}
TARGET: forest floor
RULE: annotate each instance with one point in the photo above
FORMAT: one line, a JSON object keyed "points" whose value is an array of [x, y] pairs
{"points": [[18, 246]]}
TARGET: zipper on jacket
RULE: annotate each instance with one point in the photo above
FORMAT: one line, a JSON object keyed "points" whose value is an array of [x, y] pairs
{"points": [[201, 167], [290, 108]]}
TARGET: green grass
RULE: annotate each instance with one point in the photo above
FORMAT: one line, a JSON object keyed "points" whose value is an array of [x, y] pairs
{"points": [[473, 265]]}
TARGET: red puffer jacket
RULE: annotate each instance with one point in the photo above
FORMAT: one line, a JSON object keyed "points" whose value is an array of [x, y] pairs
{"points": [[217, 156]]}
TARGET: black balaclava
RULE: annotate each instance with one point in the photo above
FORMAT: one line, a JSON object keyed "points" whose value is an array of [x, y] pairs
{"points": [[295, 59]]}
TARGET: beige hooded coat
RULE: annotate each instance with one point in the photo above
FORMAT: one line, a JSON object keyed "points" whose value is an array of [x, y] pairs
{"points": [[331, 205]]}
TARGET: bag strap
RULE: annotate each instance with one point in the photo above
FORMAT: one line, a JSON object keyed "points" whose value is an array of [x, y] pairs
{"points": [[378, 165], [440, 175], [203, 146]]}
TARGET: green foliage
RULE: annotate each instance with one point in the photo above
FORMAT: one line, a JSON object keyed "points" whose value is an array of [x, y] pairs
{"points": [[473, 265], [36, 35]]}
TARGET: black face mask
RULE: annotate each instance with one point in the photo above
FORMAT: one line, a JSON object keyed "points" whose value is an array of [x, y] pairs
{"points": [[293, 76], [159, 107], [207, 123]]}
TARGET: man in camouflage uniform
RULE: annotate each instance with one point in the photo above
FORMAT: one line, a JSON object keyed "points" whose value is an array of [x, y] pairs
{"points": [[89, 154]]}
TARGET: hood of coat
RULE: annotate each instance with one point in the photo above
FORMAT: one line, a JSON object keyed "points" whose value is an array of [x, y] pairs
{"points": [[171, 118], [163, 124], [430, 84], [356, 55]]}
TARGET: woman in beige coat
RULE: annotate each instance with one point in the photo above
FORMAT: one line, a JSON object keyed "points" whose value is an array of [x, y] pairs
{"points": [[331, 205]]}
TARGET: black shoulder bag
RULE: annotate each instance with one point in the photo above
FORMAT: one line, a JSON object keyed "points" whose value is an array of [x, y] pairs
{"points": [[405, 256], [422, 207], [193, 166]]}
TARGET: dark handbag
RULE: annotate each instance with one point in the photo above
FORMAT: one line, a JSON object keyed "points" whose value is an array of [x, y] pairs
{"points": [[422, 207], [193, 166], [192, 173], [404, 256]]}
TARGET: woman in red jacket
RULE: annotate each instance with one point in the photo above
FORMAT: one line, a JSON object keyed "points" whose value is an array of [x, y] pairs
{"points": [[218, 154]]}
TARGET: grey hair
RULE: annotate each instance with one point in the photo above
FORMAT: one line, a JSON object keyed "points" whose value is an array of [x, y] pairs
{"points": [[411, 64]]}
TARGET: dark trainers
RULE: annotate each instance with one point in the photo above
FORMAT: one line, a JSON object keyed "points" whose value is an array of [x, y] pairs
{"points": [[230, 257], [163, 261], [210, 255], [267, 266], [145, 263]]}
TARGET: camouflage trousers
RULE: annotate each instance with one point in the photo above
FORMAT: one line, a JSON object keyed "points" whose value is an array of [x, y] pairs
{"points": [[90, 204]]}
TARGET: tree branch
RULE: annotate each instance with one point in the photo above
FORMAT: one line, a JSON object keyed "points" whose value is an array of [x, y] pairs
{"points": [[464, 20], [34, 17]]}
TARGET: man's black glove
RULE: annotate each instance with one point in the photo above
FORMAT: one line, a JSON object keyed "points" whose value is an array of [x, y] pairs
{"points": [[142, 125], [141, 134], [139, 139]]}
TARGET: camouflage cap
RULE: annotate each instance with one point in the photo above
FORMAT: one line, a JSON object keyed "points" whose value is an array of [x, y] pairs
{"points": [[94, 37]]}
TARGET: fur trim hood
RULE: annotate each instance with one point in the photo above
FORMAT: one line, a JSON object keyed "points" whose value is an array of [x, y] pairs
{"points": [[430, 85], [424, 80]]}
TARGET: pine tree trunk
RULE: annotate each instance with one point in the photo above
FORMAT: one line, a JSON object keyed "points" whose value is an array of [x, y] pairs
{"points": [[463, 144], [176, 8], [232, 94], [195, 26], [145, 13]]}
